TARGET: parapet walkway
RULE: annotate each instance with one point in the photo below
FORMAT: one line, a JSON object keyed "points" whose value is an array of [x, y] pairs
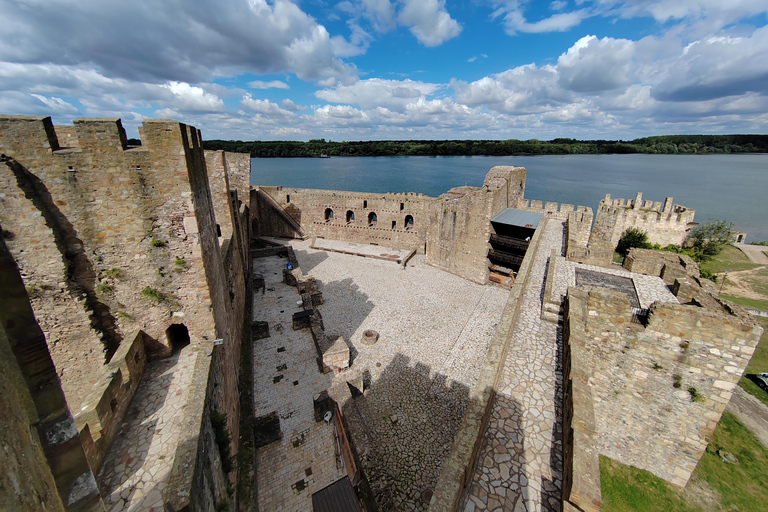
{"points": [[135, 473], [520, 465]]}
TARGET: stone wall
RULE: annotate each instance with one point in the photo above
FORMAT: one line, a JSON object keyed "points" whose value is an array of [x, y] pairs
{"points": [[644, 378], [44, 465], [113, 239], [666, 223], [103, 409], [581, 457], [348, 216]]}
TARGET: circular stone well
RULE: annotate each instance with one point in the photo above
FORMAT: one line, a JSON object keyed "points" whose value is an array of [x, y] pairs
{"points": [[370, 337]]}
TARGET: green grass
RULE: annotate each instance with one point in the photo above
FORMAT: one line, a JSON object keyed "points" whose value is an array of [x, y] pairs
{"points": [[626, 488], [729, 258], [750, 303], [740, 486], [758, 364], [153, 294]]}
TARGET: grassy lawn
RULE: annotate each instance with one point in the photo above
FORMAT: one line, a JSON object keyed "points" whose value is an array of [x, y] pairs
{"points": [[730, 258], [750, 303], [758, 364], [715, 485]]}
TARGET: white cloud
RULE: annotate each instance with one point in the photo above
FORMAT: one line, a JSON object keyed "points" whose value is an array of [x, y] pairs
{"points": [[174, 40], [374, 92], [194, 99], [716, 67], [594, 65], [273, 84], [428, 21], [265, 107], [57, 105], [290, 105]]}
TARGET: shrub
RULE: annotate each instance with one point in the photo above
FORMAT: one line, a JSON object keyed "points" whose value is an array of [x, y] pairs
{"points": [[153, 294], [632, 237], [695, 396], [181, 264], [105, 288], [114, 273], [158, 243], [708, 239]]}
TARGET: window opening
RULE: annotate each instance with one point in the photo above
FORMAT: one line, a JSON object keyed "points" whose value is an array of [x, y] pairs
{"points": [[328, 214], [402, 206], [372, 219], [288, 198], [408, 222], [365, 204], [394, 224], [350, 215]]}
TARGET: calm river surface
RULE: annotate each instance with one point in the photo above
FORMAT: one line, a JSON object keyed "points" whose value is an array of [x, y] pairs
{"points": [[732, 187]]}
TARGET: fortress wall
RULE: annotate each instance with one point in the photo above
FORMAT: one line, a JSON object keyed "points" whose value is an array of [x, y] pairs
{"points": [[641, 379], [110, 221], [308, 207], [42, 458], [665, 223], [459, 230], [581, 462], [578, 229]]}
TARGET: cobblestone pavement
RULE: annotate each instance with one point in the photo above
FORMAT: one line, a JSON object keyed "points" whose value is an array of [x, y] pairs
{"points": [[519, 467], [136, 469], [286, 378], [434, 332]]}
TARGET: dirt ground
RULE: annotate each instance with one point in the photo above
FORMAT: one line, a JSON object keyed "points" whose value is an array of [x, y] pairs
{"points": [[750, 284]]}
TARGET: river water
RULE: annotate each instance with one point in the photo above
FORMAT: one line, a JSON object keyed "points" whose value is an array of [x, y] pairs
{"points": [[730, 187]]}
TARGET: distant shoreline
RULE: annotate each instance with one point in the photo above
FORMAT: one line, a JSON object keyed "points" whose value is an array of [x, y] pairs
{"points": [[663, 145]]}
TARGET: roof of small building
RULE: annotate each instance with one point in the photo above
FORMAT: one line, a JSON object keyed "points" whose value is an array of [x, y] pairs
{"points": [[338, 497], [521, 218]]}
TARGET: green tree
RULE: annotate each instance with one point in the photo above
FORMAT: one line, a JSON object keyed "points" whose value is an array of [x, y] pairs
{"points": [[709, 238], [632, 237]]}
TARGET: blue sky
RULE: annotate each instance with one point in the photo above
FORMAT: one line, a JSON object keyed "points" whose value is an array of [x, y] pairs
{"points": [[393, 69]]}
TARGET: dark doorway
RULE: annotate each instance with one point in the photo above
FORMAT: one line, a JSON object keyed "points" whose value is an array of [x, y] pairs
{"points": [[350, 215], [177, 336], [328, 214], [372, 219]]}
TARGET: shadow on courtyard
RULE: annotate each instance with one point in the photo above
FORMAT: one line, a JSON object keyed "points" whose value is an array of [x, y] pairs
{"points": [[403, 427]]}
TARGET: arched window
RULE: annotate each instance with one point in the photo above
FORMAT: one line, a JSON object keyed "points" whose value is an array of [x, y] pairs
{"points": [[350, 215], [409, 222], [372, 219], [177, 336], [328, 214]]}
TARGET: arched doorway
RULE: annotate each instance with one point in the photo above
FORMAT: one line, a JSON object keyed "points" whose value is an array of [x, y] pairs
{"points": [[350, 216], [177, 336], [409, 222], [372, 219], [328, 215]]}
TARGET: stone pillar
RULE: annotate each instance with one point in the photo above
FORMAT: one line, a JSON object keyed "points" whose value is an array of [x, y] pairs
{"points": [[668, 205]]}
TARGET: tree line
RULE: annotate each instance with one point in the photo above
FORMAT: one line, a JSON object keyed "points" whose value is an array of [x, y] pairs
{"points": [[662, 144]]}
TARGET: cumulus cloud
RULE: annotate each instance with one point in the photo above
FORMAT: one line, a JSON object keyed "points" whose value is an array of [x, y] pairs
{"points": [[717, 67], [428, 21], [272, 84], [174, 40], [193, 99], [594, 65], [374, 92], [266, 107]]}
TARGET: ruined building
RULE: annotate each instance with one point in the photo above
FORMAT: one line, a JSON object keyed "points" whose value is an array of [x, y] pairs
{"points": [[124, 313]]}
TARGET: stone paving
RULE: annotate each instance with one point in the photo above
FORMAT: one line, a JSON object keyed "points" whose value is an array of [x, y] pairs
{"points": [[136, 469], [286, 378], [434, 332], [520, 465]]}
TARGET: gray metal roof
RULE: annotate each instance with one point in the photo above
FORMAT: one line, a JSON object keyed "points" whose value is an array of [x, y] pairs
{"points": [[521, 218], [338, 497]]}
